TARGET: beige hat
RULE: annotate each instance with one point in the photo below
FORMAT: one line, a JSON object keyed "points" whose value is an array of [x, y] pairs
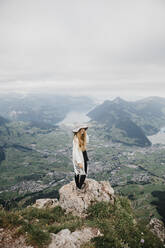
{"points": [[78, 127]]}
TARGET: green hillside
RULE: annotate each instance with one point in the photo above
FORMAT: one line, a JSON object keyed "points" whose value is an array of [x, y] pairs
{"points": [[4, 136], [117, 224], [130, 122]]}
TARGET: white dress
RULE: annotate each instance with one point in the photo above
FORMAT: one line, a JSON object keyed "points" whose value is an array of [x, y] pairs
{"points": [[77, 156]]}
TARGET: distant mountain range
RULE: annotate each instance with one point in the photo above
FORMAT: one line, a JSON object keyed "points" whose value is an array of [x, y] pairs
{"points": [[130, 122], [41, 109], [121, 121]]}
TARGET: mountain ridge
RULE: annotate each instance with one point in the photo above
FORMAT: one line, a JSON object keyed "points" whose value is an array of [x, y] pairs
{"points": [[109, 221], [146, 115]]}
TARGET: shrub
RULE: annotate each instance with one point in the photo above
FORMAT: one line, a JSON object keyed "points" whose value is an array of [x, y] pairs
{"points": [[46, 216], [36, 236], [100, 210], [119, 227], [10, 219], [116, 222]]}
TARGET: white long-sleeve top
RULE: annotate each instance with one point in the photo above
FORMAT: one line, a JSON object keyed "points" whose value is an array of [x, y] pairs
{"points": [[77, 157]]}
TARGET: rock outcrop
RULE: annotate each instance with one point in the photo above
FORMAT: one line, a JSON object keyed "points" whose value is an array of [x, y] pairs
{"points": [[77, 201], [157, 227], [66, 239], [46, 203]]}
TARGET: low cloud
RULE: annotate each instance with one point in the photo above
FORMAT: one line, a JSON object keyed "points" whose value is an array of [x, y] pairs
{"points": [[83, 47]]}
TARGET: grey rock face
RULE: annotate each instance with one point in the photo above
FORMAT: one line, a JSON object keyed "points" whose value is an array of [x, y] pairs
{"points": [[77, 201], [46, 203], [66, 239], [158, 228]]}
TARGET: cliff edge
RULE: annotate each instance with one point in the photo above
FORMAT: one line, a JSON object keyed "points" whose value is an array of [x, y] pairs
{"points": [[77, 201]]}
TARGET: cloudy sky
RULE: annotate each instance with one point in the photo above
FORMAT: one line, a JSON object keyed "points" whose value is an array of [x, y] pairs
{"points": [[102, 47]]}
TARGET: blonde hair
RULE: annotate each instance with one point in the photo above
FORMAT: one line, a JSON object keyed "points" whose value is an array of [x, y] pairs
{"points": [[81, 140]]}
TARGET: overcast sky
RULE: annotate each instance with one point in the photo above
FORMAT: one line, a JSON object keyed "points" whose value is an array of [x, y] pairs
{"points": [[102, 47]]}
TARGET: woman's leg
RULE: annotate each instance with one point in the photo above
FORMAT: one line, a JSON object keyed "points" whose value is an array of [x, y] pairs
{"points": [[85, 156], [77, 180], [86, 167], [82, 179]]}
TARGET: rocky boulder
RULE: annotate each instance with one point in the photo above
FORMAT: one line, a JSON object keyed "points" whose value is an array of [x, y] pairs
{"points": [[46, 203], [157, 227], [66, 239], [77, 201]]}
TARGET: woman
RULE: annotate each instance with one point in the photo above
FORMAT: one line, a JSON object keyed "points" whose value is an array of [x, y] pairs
{"points": [[80, 157]]}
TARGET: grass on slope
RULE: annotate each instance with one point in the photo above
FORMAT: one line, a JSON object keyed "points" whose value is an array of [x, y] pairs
{"points": [[116, 222]]}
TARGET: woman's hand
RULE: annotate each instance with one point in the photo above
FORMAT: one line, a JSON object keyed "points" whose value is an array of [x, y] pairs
{"points": [[80, 165]]}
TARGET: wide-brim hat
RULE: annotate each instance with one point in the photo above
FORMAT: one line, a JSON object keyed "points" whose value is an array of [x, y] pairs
{"points": [[78, 127]]}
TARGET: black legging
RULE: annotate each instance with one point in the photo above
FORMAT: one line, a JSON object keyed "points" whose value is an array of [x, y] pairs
{"points": [[79, 179]]}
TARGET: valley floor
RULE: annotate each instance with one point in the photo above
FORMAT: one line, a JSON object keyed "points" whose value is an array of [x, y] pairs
{"points": [[38, 162]]}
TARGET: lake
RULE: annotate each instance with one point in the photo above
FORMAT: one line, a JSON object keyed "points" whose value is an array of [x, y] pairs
{"points": [[74, 118], [158, 138]]}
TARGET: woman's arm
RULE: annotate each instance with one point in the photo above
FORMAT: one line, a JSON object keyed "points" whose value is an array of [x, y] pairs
{"points": [[76, 153]]}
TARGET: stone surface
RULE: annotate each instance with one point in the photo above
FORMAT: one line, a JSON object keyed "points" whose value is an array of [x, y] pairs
{"points": [[46, 203], [77, 201], [158, 228], [66, 239], [7, 239]]}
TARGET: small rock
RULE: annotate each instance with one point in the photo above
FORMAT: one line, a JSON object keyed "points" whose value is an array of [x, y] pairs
{"points": [[157, 227], [46, 203], [66, 239]]}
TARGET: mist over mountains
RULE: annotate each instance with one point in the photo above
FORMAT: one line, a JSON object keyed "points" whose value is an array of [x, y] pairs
{"points": [[121, 121], [42, 108], [42, 111]]}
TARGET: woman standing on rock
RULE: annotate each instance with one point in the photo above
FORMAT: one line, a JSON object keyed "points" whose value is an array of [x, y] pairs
{"points": [[80, 157]]}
